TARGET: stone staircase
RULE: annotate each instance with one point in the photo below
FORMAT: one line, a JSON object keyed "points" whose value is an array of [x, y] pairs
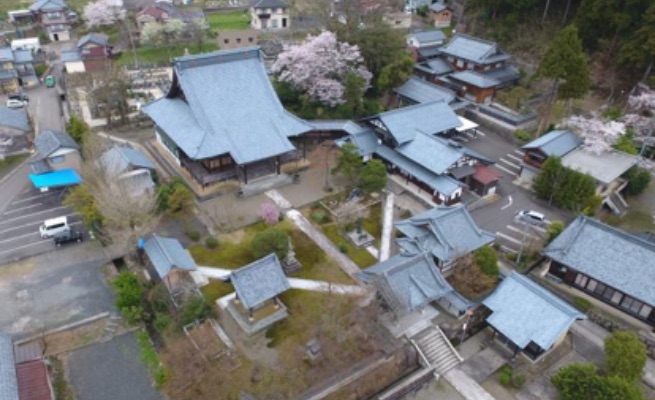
{"points": [[617, 204], [436, 350], [111, 327]]}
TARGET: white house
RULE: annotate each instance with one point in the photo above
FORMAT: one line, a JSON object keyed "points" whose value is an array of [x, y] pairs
{"points": [[269, 14]]}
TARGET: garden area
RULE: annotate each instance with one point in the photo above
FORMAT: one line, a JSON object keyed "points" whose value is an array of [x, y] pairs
{"points": [[228, 21]]}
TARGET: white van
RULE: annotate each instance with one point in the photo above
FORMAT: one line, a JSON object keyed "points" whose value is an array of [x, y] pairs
{"points": [[54, 226]]}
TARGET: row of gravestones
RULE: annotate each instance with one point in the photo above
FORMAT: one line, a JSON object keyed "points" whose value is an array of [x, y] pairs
{"points": [[614, 326]]}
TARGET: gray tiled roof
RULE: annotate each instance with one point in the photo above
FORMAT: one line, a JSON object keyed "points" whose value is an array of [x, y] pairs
{"points": [[166, 254], [269, 4], [95, 38], [16, 119], [525, 312], [230, 107], [506, 74], [8, 74], [8, 380], [39, 166], [431, 152], [431, 118], [48, 5], [438, 6], [436, 66], [426, 37], [407, 283], [259, 281], [555, 143], [421, 91], [6, 54], [605, 167], [50, 141], [609, 255], [441, 183], [335, 125], [365, 140], [429, 52], [474, 79], [474, 49], [119, 159], [70, 56], [137, 182], [446, 232]]}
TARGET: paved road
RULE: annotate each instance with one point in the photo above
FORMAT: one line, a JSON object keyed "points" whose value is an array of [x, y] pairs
{"points": [[498, 217], [45, 105], [111, 371], [20, 221], [53, 289]]}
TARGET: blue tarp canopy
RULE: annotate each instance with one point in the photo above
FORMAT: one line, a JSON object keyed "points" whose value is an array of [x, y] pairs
{"points": [[64, 177]]}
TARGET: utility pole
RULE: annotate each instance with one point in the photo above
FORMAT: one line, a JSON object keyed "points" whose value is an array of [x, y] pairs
{"points": [[525, 233]]}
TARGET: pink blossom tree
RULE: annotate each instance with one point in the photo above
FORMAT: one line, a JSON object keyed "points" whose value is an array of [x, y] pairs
{"points": [[103, 12], [598, 133], [319, 67], [269, 213]]}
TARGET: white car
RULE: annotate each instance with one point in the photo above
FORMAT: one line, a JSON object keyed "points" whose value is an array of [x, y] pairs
{"points": [[531, 217], [13, 103]]}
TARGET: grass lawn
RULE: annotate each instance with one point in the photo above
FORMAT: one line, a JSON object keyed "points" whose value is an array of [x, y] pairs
{"points": [[361, 257], [215, 290], [152, 55], [228, 21], [373, 223], [9, 163]]}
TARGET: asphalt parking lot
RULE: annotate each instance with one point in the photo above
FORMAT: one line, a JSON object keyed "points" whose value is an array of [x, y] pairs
{"points": [[20, 221]]}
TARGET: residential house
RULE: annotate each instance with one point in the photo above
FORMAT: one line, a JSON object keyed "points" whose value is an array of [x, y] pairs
{"points": [[14, 127], [433, 68], [472, 85], [23, 373], [256, 305], [163, 11], [557, 143], [446, 233], [606, 263], [412, 142], [269, 15], [129, 167], [419, 91], [413, 5], [55, 18], [409, 282], [607, 170], [527, 318], [16, 70], [441, 14], [55, 151], [398, 19], [170, 263], [425, 44], [234, 39], [92, 53], [210, 129]]}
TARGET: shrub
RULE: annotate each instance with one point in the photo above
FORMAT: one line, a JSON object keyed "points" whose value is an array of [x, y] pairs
{"points": [[196, 308], [487, 260], [211, 242], [174, 197], [405, 213], [162, 322], [128, 296], [505, 378], [554, 229], [638, 180], [193, 234], [582, 303], [613, 113], [40, 69], [271, 240], [343, 248], [518, 381], [318, 216], [511, 257], [373, 177], [625, 355], [522, 135]]}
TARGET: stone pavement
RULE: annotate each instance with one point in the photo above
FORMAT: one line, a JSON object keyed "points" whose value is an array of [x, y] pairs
{"points": [[387, 227], [466, 386]]}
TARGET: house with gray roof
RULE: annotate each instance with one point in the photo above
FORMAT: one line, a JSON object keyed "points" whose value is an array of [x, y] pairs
{"points": [[256, 305], [164, 11], [128, 166], [417, 91], [55, 18], [55, 151], [409, 282], [441, 14], [8, 379], [446, 233], [527, 318], [614, 266], [556, 143], [17, 70], [425, 44], [269, 15], [13, 122], [413, 142], [170, 263], [233, 128]]}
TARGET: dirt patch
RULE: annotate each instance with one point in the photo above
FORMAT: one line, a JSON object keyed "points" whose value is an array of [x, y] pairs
{"points": [[85, 335]]}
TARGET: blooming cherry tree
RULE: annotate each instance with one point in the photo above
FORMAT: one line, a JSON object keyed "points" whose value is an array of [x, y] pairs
{"points": [[104, 12], [270, 213], [598, 133], [319, 67]]}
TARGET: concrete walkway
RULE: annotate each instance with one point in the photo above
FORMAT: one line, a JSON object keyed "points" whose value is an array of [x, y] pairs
{"points": [[296, 283], [346, 264], [387, 227], [596, 335], [466, 386]]}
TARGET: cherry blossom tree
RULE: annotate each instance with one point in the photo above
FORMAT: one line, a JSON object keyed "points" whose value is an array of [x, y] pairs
{"points": [[320, 66], [598, 133], [640, 114], [270, 213], [103, 12]]}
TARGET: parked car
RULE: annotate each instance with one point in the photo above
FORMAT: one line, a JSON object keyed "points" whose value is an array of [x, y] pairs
{"points": [[68, 236], [531, 217], [20, 97], [13, 103], [49, 81], [54, 226]]}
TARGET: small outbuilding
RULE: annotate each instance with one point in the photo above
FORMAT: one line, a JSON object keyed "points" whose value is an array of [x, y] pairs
{"points": [[170, 263], [55, 151], [256, 305], [527, 318]]}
